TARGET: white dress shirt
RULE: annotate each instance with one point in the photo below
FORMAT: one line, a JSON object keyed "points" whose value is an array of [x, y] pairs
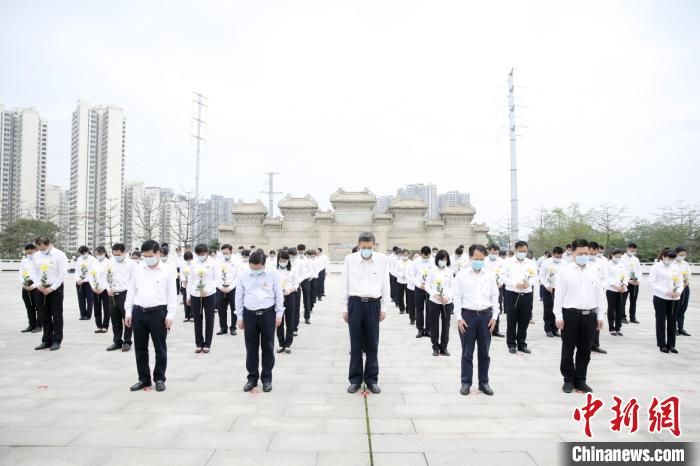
{"points": [[82, 267], [634, 268], [664, 279], [495, 267], [226, 274], [476, 291], [202, 274], [421, 270], [323, 259], [579, 288], [440, 282], [617, 276], [410, 284], [257, 292], [26, 268], [52, 265], [366, 278], [401, 271], [151, 287], [548, 272], [97, 275], [288, 280], [121, 273], [602, 267], [524, 271], [184, 273]]}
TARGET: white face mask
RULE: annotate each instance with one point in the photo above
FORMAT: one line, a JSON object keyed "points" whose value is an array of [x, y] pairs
{"points": [[118, 258], [680, 258], [615, 260], [520, 255], [202, 258], [442, 264], [100, 258], [667, 262]]}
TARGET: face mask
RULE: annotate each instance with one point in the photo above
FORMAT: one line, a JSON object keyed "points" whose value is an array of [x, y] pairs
{"points": [[227, 257], [119, 258], [556, 260], [84, 256], [426, 259], [45, 252], [680, 258], [164, 258], [100, 258], [366, 253], [293, 259], [283, 265], [493, 257], [201, 258], [150, 261], [615, 260], [520, 255], [631, 253], [442, 264], [581, 260], [459, 256], [404, 258], [477, 264], [255, 273], [667, 262]]}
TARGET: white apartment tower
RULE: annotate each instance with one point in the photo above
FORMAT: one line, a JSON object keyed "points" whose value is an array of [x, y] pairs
{"points": [[97, 175], [22, 164]]}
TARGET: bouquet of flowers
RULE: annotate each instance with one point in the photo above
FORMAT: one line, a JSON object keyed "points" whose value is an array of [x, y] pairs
{"points": [[529, 275], [551, 272], [623, 281], [633, 276], [686, 278], [285, 285], [27, 279], [83, 271], [44, 278], [95, 285], [183, 279], [201, 273], [424, 274], [438, 286], [224, 271], [676, 282], [498, 276], [110, 280]]}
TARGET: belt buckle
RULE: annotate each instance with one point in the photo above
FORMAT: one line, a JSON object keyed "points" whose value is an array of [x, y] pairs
{"points": [[585, 313], [259, 313], [364, 300]]}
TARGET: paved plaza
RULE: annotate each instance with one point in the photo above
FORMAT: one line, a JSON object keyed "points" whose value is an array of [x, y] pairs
{"points": [[74, 406]]}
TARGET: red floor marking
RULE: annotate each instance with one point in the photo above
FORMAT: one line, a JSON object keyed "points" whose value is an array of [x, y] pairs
{"points": [[43, 386]]}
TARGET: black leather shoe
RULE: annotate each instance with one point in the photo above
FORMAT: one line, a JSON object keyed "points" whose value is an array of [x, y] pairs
{"points": [[419, 334], [42, 346], [485, 389], [139, 386], [512, 350], [556, 334], [307, 321], [160, 386], [663, 349], [221, 332], [234, 332], [267, 387], [114, 347], [412, 323], [568, 387], [550, 334], [445, 353], [599, 350], [582, 387], [126, 347], [287, 351], [525, 350], [634, 321], [374, 388], [436, 353], [249, 386], [295, 333], [619, 334], [683, 332], [57, 346], [498, 334], [280, 350], [466, 388], [672, 350], [28, 329], [36, 329], [625, 321], [353, 387]]}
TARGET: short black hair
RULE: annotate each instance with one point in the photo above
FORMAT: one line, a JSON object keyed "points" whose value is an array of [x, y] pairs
{"points": [[579, 243], [557, 250], [520, 244], [284, 255], [668, 252], [227, 246], [100, 250], [150, 245], [425, 251], [301, 247], [83, 250], [43, 240], [477, 247], [245, 253], [29, 246], [493, 247], [396, 249], [459, 251], [568, 246], [442, 255], [681, 249], [615, 251], [632, 245], [137, 253], [118, 247], [200, 248], [366, 237], [257, 257], [240, 248], [188, 256], [593, 245], [320, 250], [164, 250], [273, 252], [292, 251]]}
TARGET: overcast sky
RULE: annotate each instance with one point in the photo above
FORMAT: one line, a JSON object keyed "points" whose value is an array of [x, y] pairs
{"points": [[377, 94]]}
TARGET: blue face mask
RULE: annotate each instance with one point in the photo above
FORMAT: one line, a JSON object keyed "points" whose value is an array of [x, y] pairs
{"points": [[118, 258], [366, 253], [581, 260], [202, 258], [150, 261], [255, 273], [520, 255], [493, 257], [477, 264]]}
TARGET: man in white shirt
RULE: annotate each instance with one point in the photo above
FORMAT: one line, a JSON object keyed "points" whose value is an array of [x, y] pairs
{"points": [[602, 267], [475, 298], [151, 304], [634, 271], [226, 290], [393, 284], [297, 271], [86, 298], [420, 271], [50, 269], [306, 275], [122, 270], [201, 294], [366, 294], [684, 271], [322, 264], [520, 276], [260, 308], [29, 284], [579, 307], [494, 265], [547, 275]]}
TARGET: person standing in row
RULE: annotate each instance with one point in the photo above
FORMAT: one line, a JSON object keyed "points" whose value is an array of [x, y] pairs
{"points": [[666, 286], [260, 309], [366, 294], [304, 268], [401, 272], [185, 268], [439, 287], [392, 257], [29, 284], [547, 277], [476, 299], [201, 289], [313, 275], [83, 264], [98, 281], [684, 271], [323, 264], [50, 269], [410, 288], [602, 267], [617, 281], [136, 257], [494, 265], [634, 271], [298, 278], [519, 278], [421, 270], [119, 274], [579, 307], [285, 331], [151, 305], [226, 290]]}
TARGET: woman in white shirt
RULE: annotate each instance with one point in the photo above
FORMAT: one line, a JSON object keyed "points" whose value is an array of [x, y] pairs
{"points": [[184, 276], [666, 286], [617, 279], [402, 270], [98, 279], [438, 286], [285, 332], [86, 298]]}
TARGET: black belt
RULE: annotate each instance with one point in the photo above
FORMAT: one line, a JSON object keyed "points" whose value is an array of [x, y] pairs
{"points": [[473, 311], [583, 312], [151, 309], [117, 293], [259, 312], [365, 300], [519, 292]]}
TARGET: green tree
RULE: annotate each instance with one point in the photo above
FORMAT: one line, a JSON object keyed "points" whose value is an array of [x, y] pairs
{"points": [[23, 231]]}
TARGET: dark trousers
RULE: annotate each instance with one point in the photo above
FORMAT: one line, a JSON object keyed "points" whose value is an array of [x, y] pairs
{"points": [[150, 324], [411, 304], [203, 308], [632, 293], [306, 290], [188, 308], [85, 299], [103, 304], [682, 307], [665, 309], [259, 336], [421, 299], [30, 304], [400, 293], [392, 287], [226, 301], [616, 310], [501, 292], [297, 309], [363, 323], [577, 335], [477, 332], [440, 325], [321, 284], [51, 315], [548, 310], [312, 292], [285, 332], [122, 333], [519, 316]]}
